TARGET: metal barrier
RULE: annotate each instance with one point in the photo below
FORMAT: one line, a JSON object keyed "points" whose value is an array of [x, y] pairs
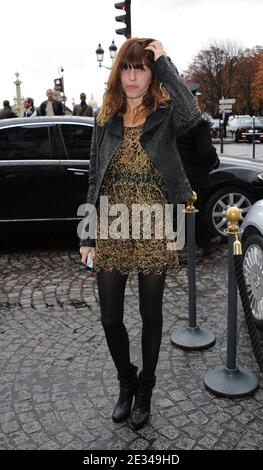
{"points": [[253, 138], [221, 135], [192, 337], [231, 380]]}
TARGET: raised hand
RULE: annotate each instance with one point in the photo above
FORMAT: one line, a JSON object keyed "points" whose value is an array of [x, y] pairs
{"points": [[157, 48]]}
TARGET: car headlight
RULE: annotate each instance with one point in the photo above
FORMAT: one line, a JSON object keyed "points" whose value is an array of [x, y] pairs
{"points": [[260, 176]]}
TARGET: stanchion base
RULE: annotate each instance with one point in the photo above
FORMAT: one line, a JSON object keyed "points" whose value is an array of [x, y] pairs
{"points": [[225, 382], [193, 338]]}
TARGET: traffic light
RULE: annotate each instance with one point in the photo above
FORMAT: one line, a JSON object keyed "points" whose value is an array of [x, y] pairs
{"points": [[126, 18], [59, 84]]}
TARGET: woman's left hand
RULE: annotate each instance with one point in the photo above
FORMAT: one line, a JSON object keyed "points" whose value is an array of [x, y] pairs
{"points": [[157, 48]]}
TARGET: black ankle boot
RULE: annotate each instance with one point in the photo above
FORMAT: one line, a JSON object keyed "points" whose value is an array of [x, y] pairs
{"points": [[128, 387], [142, 406]]}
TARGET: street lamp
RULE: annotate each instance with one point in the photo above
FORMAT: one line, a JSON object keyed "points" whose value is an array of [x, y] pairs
{"points": [[63, 97], [100, 54], [113, 50]]}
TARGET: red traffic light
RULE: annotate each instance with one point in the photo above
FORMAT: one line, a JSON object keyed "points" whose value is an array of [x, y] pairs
{"points": [[58, 84], [120, 6], [126, 19]]}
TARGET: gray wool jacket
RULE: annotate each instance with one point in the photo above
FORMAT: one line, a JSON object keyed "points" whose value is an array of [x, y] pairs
{"points": [[158, 139]]}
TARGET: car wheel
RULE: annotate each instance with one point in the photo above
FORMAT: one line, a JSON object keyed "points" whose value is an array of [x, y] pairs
{"points": [[253, 274], [220, 201]]}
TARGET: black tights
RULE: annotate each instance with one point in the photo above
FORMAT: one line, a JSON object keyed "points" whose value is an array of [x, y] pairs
{"points": [[111, 287]]}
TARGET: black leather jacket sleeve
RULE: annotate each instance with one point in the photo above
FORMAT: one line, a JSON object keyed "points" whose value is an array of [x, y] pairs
{"points": [[92, 181], [92, 166], [185, 113]]}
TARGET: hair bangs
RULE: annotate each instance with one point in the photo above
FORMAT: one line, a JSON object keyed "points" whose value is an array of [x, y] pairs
{"points": [[136, 56]]}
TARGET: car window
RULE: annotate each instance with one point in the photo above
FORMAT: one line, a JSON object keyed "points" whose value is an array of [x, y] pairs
{"points": [[25, 143], [77, 139], [233, 122], [239, 122], [243, 121], [249, 122]]}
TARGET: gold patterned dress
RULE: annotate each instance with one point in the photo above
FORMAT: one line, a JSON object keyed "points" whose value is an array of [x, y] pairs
{"points": [[132, 180]]}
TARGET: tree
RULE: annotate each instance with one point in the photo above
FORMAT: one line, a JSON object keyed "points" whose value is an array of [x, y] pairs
{"points": [[215, 68], [244, 86], [257, 85]]}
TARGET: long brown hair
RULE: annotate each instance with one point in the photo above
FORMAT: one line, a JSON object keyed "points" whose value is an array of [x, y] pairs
{"points": [[132, 52]]}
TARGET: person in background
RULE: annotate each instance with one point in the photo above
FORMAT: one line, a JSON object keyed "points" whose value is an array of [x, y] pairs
{"points": [[82, 109], [29, 108], [51, 107], [7, 111], [223, 116], [134, 160], [199, 157]]}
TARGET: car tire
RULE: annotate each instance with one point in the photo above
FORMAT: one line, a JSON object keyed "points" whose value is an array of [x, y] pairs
{"points": [[219, 202], [253, 274]]}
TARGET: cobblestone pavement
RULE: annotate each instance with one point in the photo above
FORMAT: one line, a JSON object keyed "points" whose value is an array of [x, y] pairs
{"points": [[58, 384]]}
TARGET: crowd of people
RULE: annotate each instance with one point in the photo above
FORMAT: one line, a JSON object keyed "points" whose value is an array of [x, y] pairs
{"points": [[50, 107]]}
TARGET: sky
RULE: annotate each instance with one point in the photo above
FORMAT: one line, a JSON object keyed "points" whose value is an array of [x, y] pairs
{"points": [[38, 37]]}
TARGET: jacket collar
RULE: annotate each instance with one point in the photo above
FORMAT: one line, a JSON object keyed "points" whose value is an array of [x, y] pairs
{"points": [[115, 124], [154, 120]]}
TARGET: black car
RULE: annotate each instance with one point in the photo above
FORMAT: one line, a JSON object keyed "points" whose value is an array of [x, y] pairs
{"points": [[242, 129], [44, 169], [235, 182]]}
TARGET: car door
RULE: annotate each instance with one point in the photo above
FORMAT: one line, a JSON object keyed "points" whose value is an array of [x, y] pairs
{"points": [[74, 142], [29, 177]]}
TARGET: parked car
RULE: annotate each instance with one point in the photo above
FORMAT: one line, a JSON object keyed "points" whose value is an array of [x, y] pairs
{"points": [[44, 169], [241, 128], [238, 116], [252, 238], [234, 182], [234, 116], [215, 128]]}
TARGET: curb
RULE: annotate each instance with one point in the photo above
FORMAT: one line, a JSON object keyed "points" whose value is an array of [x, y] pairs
{"points": [[225, 141]]}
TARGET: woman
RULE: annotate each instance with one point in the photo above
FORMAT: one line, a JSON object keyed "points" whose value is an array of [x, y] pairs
{"points": [[134, 160]]}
